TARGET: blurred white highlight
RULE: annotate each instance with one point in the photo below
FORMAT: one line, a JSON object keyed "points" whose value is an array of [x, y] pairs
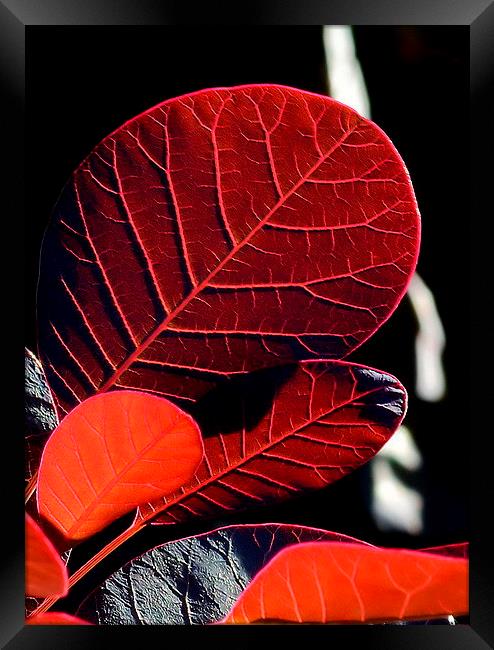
{"points": [[429, 343], [402, 448], [346, 80], [394, 505], [347, 85]]}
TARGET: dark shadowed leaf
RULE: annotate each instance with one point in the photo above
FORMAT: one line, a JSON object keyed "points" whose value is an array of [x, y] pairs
{"points": [[112, 453], [40, 413], [336, 582], [221, 232], [324, 420], [196, 580]]}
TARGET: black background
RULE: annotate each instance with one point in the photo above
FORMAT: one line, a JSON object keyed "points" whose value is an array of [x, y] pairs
{"points": [[82, 83]]}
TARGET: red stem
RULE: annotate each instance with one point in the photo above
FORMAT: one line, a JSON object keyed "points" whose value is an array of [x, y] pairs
{"points": [[31, 486]]}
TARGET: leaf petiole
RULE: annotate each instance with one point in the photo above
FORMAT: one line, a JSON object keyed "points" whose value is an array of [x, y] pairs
{"points": [[31, 487]]}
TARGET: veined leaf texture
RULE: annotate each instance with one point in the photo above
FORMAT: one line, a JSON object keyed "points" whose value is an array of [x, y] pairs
{"points": [[322, 420], [336, 582], [196, 580], [109, 455], [221, 232]]}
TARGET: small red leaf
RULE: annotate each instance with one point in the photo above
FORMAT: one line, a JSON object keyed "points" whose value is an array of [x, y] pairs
{"points": [[325, 420], [46, 574], [221, 232], [323, 582], [56, 618], [112, 453]]}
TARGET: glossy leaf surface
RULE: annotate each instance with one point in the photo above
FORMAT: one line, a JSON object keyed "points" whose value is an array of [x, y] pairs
{"points": [[110, 454], [318, 424], [221, 232], [55, 618], [194, 581], [347, 583], [46, 574]]}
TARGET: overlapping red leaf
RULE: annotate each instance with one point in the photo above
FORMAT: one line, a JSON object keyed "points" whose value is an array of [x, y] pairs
{"points": [[46, 574], [220, 232], [194, 580], [323, 582], [325, 420], [112, 453]]}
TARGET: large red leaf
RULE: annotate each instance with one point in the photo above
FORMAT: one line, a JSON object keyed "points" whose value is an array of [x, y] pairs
{"points": [[220, 232], [326, 419], [112, 453], [56, 618], [322, 582], [46, 574]]}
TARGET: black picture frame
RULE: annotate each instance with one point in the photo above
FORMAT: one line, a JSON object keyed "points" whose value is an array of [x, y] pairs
{"points": [[16, 16]]}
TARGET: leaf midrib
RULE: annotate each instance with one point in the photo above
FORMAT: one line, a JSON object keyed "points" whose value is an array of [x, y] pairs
{"points": [[117, 476], [272, 443], [202, 285]]}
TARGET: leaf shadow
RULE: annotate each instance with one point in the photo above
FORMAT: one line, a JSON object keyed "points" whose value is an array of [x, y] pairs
{"points": [[240, 402]]}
